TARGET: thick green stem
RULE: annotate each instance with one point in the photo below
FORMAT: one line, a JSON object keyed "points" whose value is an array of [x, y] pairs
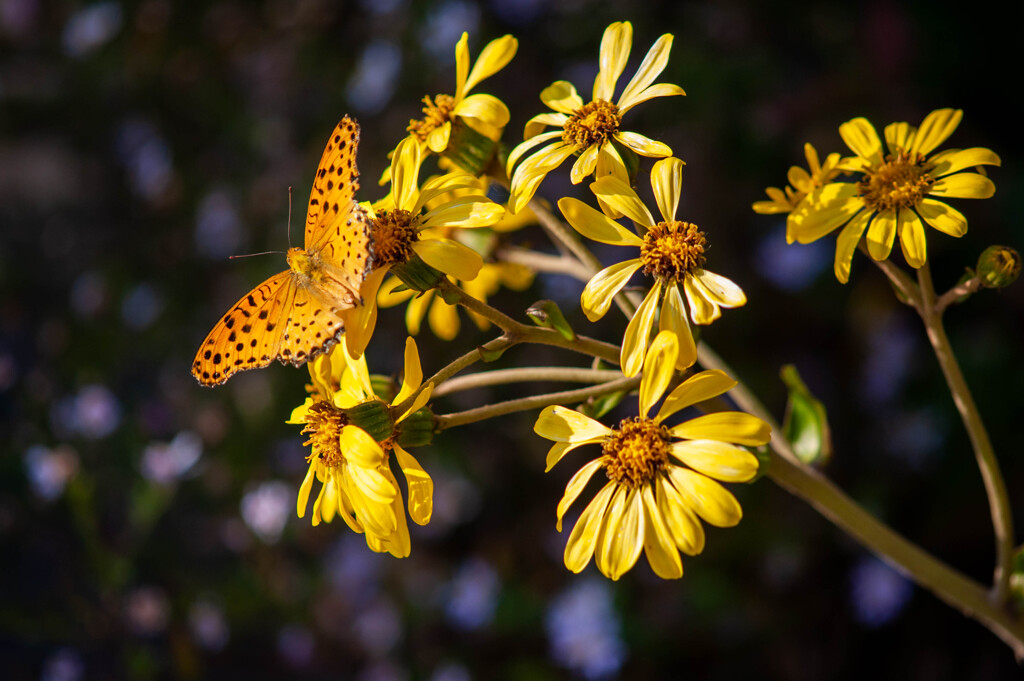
{"points": [[995, 486], [461, 418]]}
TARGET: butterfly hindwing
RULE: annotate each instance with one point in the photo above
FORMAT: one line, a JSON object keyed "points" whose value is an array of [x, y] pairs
{"points": [[310, 329], [249, 335]]}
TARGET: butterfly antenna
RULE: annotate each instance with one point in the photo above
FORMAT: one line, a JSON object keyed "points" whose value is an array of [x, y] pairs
{"points": [[289, 217], [249, 255]]}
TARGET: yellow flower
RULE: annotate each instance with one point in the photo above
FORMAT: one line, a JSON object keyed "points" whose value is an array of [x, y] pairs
{"points": [[353, 467], [402, 226], [801, 183], [588, 129], [897, 191], [443, 318], [485, 114], [671, 251], [651, 502]]}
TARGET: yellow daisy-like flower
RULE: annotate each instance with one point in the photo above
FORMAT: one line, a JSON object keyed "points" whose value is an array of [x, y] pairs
{"points": [[801, 183], [353, 467], [588, 129], [898, 192], [402, 227], [443, 318], [651, 502], [485, 114], [671, 252]]}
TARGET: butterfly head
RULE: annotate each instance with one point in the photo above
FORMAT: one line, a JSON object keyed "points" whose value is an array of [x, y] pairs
{"points": [[301, 262]]}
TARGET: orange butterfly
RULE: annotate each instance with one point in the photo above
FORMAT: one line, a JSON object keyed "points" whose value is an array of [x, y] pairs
{"points": [[298, 314]]}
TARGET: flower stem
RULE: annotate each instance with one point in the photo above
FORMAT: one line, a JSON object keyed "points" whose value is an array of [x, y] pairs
{"points": [[525, 374], [542, 262], [995, 486], [786, 470], [461, 418]]}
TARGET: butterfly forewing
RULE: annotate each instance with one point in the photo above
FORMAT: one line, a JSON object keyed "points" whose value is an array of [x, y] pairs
{"points": [[332, 198], [249, 335]]}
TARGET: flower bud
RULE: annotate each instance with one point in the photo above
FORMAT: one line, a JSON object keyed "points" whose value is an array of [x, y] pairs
{"points": [[998, 266], [373, 417], [417, 429]]}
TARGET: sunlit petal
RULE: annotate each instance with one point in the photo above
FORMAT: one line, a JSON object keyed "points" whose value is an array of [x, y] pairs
{"points": [[622, 537], [912, 239], [405, 170], [565, 425], [674, 318], [638, 331], [881, 234], [862, 139], [847, 242], [604, 286], [659, 546], [487, 108], [616, 193], [725, 426], [585, 164], [574, 488], [935, 129], [943, 217], [583, 538], [449, 256], [712, 502], [955, 160], [421, 487], [644, 146], [615, 46], [654, 91], [667, 182], [493, 58], [716, 459], [650, 68], [686, 530], [562, 97], [963, 186], [659, 368], [696, 388], [596, 225]]}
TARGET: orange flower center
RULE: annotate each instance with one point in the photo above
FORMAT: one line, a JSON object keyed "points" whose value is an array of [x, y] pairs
{"points": [[900, 182], [392, 234], [436, 112], [324, 423], [635, 452], [592, 124], [673, 249]]}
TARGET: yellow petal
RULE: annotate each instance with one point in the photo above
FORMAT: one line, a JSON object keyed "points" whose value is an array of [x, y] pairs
{"points": [[450, 257], [596, 225], [644, 146], [658, 543], [912, 240], [847, 242], [963, 186], [493, 58], [955, 160], [615, 46], [721, 289], [898, 137], [585, 164], [619, 195], [638, 331], [300, 412], [465, 212], [413, 373], [574, 488], [650, 68], [461, 66], [716, 459], [437, 139], [560, 449], [444, 319], [421, 487], [725, 426], [361, 320], [580, 546], [822, 211], [609, 162], [531, 142], [654, 91], [537, 124], [359, 448], [682, 524], [417, 310], [305, 488], [374, 511], [405, 170], [421, 399], [601, 290], [659, 368], [703, 309], [696, 388], [943, 217], [881, 234], [712, 502], [562, 97], [565, 425], [487, 108], [667, 182], [372, 484], [622, 537], [935, 129], [862, 139], [673, 318], [532, 171]]}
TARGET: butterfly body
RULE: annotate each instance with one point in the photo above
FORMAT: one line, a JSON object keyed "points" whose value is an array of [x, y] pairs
{"points": [[300, 313]]}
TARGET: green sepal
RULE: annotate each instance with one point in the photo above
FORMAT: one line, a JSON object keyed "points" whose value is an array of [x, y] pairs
{"points": [[417, 275], [547, 314], [417, 429], [374, 417], [469, 150], [806, 421], [383, 387], [998, 266], [764, 461]]}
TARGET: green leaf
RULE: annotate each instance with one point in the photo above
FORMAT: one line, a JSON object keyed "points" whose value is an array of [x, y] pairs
{"points": [[599, 406], [547, 314], [806, 422]]}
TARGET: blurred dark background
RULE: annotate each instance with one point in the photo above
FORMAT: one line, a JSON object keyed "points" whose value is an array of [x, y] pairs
{"points": [[147, 525]]}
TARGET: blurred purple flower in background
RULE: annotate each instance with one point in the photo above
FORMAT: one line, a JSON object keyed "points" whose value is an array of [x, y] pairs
{"points": [[265, 509], [451, 671], [369, 89], [878, 593], [296, 645], [208, 625], [147, 611], [584, 631], [791, 267], [472, 595], [147, 157], [93, 413], [63, 665], [164, 463], [218, 229], [444, 27], [49, 470], [378, 627], [141, 307], [88, 295], [90, 28]]}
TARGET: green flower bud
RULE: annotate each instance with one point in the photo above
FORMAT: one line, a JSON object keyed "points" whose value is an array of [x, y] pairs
{"points": [[998, 266], [469, 150], [417, 275], [417, 429], [373, 417]]}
